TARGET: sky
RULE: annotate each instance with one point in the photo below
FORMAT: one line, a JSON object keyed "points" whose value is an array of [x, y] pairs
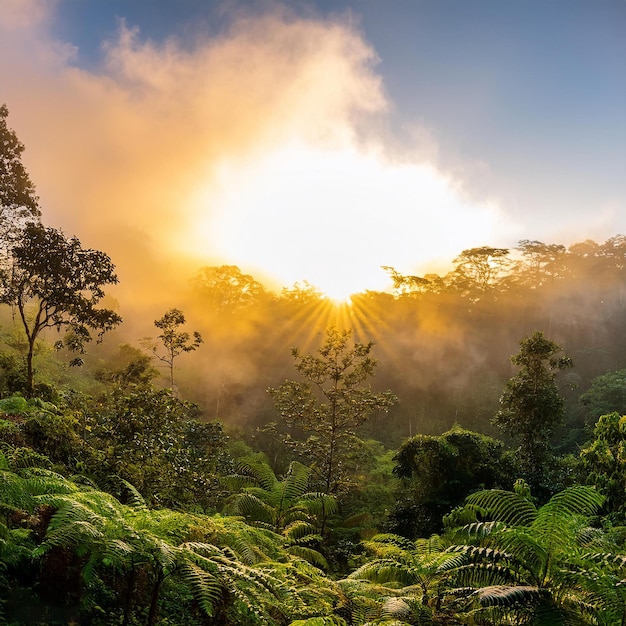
{"points": [[317, 140]]}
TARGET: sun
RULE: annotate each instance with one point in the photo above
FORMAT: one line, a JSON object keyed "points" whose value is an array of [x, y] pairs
{"points": [[332, 217]]}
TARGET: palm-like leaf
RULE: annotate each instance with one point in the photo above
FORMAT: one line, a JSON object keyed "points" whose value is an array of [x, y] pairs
{"points": [[284, 506], [504, 506], [417, 570], [533, 562]]}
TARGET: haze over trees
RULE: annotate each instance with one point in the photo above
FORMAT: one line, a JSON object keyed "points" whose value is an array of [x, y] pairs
{"points": [[174, 341], [331, 401], [367, 488], [18, 202], [53, 282]]}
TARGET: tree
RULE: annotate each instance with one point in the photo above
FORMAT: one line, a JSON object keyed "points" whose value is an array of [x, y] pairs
{"points": [[153, 440], [18, 201], [479, 269], [129, 368], [528, 565], [541, 261], [606, 394], [175, 341], [331, 401], [531, 406], [438, 472], [227, 288], [55, 283], [603, 462], [406, 285]]}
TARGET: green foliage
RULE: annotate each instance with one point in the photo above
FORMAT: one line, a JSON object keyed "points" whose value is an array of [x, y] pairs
{"points": [[154, 441], [531, 406], [54, 283], [174, 341], [159, 563], [39, 433], [606, 394], [330, 402], [438, 472], [531, 564], [417, 569], [128, 368], [284, 506], [603, 462]]}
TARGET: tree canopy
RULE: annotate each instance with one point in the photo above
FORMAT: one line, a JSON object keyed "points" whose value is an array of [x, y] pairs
{"points": [[331, 401], [531, 406], [54, 282], [18, 202]]}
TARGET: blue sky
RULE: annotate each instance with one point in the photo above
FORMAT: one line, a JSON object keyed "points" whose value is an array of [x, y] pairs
{"points": [[516, 108]]}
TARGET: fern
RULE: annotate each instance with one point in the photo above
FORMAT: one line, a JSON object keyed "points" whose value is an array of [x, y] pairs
{"points": [[205, 587], [510, 596], [504, 506], [308, 554]]}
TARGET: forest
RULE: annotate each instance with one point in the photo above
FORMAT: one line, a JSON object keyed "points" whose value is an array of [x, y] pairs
{"points": [[452, 451]]}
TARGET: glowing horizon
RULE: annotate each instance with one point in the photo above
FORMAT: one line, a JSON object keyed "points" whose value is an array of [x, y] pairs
{"points": [[333, 217], [274, 140]]}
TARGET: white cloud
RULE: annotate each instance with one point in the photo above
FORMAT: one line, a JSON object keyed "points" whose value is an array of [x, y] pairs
{"points": [[129, 156]]}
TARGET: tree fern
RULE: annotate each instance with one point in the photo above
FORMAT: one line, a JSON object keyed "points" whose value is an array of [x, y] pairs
{"points": [[533, 562], [284, 506], [505, 506]]}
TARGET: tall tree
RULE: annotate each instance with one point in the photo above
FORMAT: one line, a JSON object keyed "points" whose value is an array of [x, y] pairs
{"points": [[542, 262], [331, 401], [175, 341], [18, 202], [438, 472], [479, 269], [529, 565], [603, 462], [53, 282], [227, 288], [531, 405]]}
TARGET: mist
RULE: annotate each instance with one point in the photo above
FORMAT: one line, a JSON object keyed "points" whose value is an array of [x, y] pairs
{"points": [[265, 145], [260, 146]]}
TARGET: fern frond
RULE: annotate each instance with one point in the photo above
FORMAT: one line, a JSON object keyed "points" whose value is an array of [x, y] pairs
{"points": [[204, 586], [297, 530], [308, 554], [251, 506], [134, 498], [385, 571], [510, 596], [394, 608], [475, 575], [318, 503], [296, 481], [70, 535], [14, 491], [258, 470], [505, 506], [578, 499], [70, 510]]}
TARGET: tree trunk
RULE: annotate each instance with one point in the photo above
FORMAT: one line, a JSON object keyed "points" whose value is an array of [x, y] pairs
{"points": [[155, 599], [29, 367], [128, 598]]}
